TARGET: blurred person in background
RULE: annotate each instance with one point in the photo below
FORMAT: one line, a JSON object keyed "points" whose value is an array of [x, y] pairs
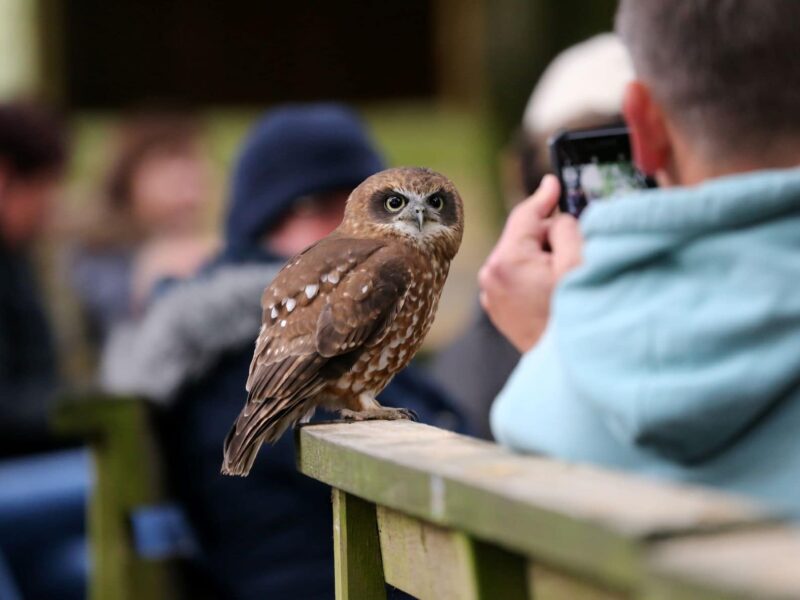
{"points": [[582, 87], [43, 487], [660, 334], [267, 535], [149, 225], [32, 156]]}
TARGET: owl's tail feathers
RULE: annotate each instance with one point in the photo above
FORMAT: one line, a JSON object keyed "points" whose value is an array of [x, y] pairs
{"points": [[252, 428], [238, 457]]}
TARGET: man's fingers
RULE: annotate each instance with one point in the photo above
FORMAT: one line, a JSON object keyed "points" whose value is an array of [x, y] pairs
{"points": [[566, 243]]}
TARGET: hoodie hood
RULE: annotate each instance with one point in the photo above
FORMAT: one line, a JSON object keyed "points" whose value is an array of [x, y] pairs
{"points": [[295, 151], [186, 331], [681, 327]]}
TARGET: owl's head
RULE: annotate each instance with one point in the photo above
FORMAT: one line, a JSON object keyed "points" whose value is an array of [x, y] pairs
{"points": [[414, 204]]}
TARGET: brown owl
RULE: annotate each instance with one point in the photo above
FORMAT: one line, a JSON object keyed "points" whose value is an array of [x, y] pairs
{"points": [[345, 315]]}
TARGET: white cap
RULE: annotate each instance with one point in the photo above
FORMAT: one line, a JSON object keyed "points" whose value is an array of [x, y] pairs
{"points": [[586, 79]]}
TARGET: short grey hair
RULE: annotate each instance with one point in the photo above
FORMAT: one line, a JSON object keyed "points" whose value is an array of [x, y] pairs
{"points": [[727, 71]]}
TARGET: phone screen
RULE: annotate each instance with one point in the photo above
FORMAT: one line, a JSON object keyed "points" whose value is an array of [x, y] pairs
{"points": [[594, 164], [591, 181]]}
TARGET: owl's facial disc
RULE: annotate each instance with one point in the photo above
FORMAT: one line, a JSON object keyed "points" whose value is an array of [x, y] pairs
{"points": [[419, 214]]}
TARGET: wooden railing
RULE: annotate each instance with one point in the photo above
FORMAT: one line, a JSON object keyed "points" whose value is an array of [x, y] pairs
{"points": [[126, 477], [443, 516]]}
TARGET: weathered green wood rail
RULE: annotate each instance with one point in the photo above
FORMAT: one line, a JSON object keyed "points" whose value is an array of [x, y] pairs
{"points": [[443, 516], [126, 477]]}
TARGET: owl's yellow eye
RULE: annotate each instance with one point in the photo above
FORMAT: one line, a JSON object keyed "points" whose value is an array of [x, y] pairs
{"points": [[395, 203], [435, 202]]}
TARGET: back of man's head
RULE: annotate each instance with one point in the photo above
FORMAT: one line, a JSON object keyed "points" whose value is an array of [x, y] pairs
{"points": [[727, 72]]}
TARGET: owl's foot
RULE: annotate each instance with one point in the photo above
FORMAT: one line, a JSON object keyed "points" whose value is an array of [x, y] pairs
{"points": [[380, 413]]}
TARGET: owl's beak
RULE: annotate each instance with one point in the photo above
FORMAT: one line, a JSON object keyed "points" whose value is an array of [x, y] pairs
{"points": [[420, 214]]}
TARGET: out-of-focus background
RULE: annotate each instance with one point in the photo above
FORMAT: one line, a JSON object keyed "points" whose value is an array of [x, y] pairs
{"points": [[441, 83], [157, 98]]}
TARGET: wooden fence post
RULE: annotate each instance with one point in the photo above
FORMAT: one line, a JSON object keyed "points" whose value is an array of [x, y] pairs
{"points": [[497, 573], [356, 549]]}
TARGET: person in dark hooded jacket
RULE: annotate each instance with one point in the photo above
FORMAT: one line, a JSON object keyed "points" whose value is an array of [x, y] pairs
{"points": [[32, 156], [268, 535]]}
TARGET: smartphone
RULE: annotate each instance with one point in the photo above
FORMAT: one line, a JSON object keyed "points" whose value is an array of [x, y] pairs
{"points": [[593, 164]]}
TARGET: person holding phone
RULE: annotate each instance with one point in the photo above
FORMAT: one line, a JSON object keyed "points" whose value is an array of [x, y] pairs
{"points": [[660, 331]]}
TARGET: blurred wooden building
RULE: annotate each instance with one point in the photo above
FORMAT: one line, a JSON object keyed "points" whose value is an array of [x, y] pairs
{"points": [[442, 82]]}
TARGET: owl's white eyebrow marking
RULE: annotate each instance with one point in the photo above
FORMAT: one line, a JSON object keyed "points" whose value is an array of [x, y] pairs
{"points": [[409, 194], [290, 304], [311, 290]]}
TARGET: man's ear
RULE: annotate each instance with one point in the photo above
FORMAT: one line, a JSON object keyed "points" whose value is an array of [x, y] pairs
{"points": [[650, 141]]}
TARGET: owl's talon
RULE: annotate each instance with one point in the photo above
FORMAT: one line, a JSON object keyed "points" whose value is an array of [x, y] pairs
{"points": [[409, 414], [348, 416], [383, 413]]}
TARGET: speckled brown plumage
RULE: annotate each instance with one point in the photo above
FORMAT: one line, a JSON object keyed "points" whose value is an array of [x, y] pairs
{"points": [[344, 316]]}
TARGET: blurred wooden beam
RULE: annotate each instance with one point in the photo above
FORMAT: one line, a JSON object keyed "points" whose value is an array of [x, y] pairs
{"points": [[460, 56], [20, 56], [31, 50]]}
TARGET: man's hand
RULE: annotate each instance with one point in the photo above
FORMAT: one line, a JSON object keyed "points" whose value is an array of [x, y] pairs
{"points": [[519, 276]]}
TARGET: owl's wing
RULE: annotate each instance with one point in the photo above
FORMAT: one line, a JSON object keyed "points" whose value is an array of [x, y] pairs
{"points": [[363, 306], [287, 361], [321, 309]]}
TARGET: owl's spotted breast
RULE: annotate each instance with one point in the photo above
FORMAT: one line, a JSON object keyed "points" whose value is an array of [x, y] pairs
{"points": [[376, 366]]}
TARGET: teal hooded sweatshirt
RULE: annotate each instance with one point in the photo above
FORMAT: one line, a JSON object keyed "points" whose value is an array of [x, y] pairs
{"points": [[674, 349]]}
